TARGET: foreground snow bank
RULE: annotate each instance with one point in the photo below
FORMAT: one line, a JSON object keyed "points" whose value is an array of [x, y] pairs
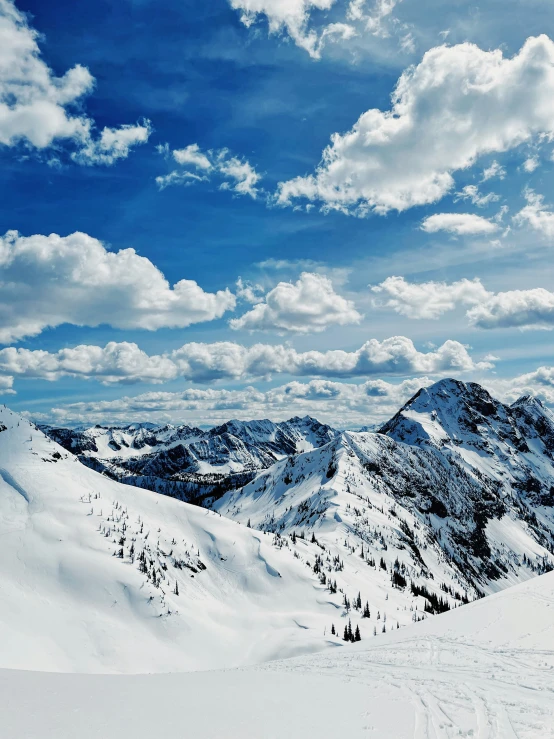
{"points": [[484, 671]]}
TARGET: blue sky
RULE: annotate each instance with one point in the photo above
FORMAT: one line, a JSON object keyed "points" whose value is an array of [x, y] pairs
{"points": [[463, 192]]}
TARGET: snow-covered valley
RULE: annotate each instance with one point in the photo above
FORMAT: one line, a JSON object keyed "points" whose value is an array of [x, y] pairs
{"points": [[345, 536], [483, 671]]}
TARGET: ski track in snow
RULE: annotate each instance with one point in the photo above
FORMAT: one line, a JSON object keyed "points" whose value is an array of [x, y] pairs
{"points": [[483, 671]]}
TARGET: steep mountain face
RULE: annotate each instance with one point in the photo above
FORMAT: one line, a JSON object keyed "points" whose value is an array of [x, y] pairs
{"points": [[510, 449], [186, 462], [454, 493]]}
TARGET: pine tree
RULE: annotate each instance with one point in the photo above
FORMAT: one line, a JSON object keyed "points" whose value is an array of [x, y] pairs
{"points": [[366, 612], [359, 602], [350, 634], [333, 632], [346, 636], [176, 589], [357, 635]]}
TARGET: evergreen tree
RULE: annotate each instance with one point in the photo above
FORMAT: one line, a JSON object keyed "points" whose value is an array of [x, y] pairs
{"points": [[333, 632], [176, 589], [357, 635], [366, 612]]}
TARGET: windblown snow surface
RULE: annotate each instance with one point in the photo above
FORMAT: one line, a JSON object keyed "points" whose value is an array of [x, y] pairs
{"points": [[484, 670]]}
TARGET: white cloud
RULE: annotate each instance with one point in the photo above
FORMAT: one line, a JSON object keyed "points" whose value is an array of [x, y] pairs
{"points": [[495, 170], [460, 224], [535, 215], [458, 104], [516, 308], [538, 383], [308, 305], [293, 17], [531, 164], [341, 404], [120, 363], [529, 309], [244, 177], [238, 174], [427, 299], [472, 193], [376, 20], [249, 292], [6, 384], [113, 144], [50, 280], [38, 109], [191, 155]]}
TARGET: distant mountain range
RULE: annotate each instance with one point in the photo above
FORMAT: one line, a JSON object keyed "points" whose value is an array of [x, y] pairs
{"points": [[186, 462], [305, 534]]}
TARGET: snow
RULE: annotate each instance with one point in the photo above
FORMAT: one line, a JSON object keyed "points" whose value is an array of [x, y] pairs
{"points": [[68, 604], [484, 670], [125, 613]]}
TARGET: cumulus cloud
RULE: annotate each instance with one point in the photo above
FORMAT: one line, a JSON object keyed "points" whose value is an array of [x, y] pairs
{"points": [[6, 385], [38, 109], [237, 174], [526, 309], [49, 280], [460, 224], [341, 404], [530, 309], [248, 292], [538, 383], [293, 17], [536, 215], [427, 299], [458, 104], [119, 363], [306, 306]]}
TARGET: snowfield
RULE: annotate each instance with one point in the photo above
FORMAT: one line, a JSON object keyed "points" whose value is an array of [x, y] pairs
{"points": [[125, 613], [74, 596], [484, 670]]}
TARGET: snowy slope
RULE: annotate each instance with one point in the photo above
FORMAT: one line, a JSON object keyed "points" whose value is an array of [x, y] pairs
{"points": [[483, 671], [509, 446], [73, 596]]}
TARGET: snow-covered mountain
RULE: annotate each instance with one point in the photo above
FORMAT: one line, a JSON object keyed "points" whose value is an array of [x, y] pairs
{"points": [[343, 532], [454, 494], [186, 462], [96, 576], [482, 671]]}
